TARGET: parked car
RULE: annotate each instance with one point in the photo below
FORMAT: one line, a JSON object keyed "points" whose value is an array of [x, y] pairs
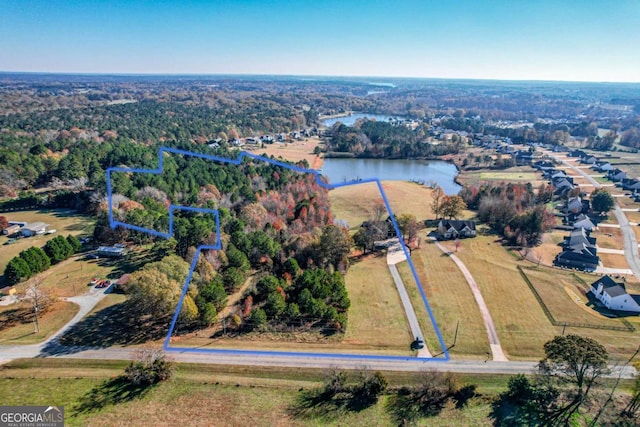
{"points": [[417, 344]]}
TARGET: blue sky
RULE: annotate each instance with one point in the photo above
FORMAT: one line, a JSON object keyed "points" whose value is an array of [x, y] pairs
{"points": [[518, 39]]}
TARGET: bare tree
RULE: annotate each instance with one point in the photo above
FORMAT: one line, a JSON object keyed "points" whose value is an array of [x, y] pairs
{"points": [[39, 299]]}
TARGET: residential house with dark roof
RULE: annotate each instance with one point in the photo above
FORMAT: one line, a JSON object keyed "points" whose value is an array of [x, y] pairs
{"points": [[627, 183], [616, 175], [614, 295], [453, 229], [602, 167], [578, 251]]}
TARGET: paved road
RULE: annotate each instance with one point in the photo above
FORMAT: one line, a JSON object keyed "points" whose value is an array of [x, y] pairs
{"points": [[395, 254], [629, 237], [494, 342], [86, 302]]}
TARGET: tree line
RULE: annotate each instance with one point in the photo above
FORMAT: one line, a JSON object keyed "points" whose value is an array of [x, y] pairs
{"points": [[36, 260]]}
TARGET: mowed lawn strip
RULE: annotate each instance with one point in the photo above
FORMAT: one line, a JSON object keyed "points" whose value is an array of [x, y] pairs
{"points": [[520, 322], [451, 301], [376, 315], [49, 322]]}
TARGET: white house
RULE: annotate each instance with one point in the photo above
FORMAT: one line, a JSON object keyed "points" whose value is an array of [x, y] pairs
{"points": [[614, 296], [33, 228]]}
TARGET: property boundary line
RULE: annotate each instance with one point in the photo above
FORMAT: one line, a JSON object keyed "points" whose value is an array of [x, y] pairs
{"points": [[218, 245]]}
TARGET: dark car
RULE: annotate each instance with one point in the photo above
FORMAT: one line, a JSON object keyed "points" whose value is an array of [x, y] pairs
{"points": [[417, 344]]}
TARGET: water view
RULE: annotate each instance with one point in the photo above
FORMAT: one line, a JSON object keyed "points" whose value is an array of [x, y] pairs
{"points": [[342, 170], [349, 120]]}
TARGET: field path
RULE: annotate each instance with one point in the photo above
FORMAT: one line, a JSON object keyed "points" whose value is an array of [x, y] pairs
{"points": [[395, 255], [496, 349]]}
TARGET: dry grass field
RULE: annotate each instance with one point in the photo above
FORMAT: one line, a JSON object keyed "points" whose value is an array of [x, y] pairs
{"points": [[355, 203], [50, 322], [376, 315], [450, 299], [64, 221], [521, 324], [613, 260], [295, 151]]}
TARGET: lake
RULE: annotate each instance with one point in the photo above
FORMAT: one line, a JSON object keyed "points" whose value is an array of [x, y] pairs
{"points": [[349, 120], [341, 170]]}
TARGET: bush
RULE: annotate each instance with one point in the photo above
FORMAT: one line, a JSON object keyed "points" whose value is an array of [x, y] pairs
{"points": [[149, 367]]}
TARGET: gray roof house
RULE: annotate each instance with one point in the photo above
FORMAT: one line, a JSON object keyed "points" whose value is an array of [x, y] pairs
{"points": [[614, 295]]}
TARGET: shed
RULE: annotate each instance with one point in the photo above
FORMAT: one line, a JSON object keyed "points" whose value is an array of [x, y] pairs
{"points": [[33, 229]]}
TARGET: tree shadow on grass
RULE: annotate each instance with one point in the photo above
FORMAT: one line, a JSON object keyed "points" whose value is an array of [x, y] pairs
{"points": [[115, 325], [327, 406], [110, 392]]}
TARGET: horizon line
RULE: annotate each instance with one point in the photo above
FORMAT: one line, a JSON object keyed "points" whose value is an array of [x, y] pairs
{"points": [[193, 74]]}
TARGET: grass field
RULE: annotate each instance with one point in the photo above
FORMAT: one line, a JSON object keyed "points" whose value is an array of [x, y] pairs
{"points": [[354, 203], [376, 315], [508, 176], [295, 152], [50, 322], [450, 299], [211, 395], [633, 216], [565, 297], [64, 221], [613, 260], [521, 324]]}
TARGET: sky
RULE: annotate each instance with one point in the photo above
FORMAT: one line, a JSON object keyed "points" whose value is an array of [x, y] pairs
{"points": [[577, 40]]}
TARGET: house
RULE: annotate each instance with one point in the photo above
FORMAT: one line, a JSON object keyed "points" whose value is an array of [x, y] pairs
{"points": [[453, 229], [33, 229], [252, 141], [602, 167], [523, 157], [562, 187], [614, 295], [580, 256], [574, 205], [588, 160], [11, 229], [579, 236], [110, 251], [579, 251], [626, 183], [583, 221], [577, 153], [542, 165], [616, 175]]}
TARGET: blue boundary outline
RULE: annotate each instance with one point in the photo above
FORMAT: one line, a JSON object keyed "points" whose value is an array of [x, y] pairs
{"points": [[218, 245]]}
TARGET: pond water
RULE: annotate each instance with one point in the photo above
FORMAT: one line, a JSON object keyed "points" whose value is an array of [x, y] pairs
{"points": [[343, 170], [349, 120]]}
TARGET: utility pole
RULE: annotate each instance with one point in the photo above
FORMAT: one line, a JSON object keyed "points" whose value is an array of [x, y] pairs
{"points": [[455, 337], [35, 311]]}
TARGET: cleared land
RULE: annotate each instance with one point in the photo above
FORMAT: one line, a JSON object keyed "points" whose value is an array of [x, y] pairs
{"points": [[294, 151], [64, 221], [509, 176], [451, 301], [521, 324], [376, 316], [49, 322], [354, 203], [613, 260]]}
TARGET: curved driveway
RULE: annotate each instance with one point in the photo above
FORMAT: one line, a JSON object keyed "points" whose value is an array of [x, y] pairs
{"points": [[494, 342]]}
